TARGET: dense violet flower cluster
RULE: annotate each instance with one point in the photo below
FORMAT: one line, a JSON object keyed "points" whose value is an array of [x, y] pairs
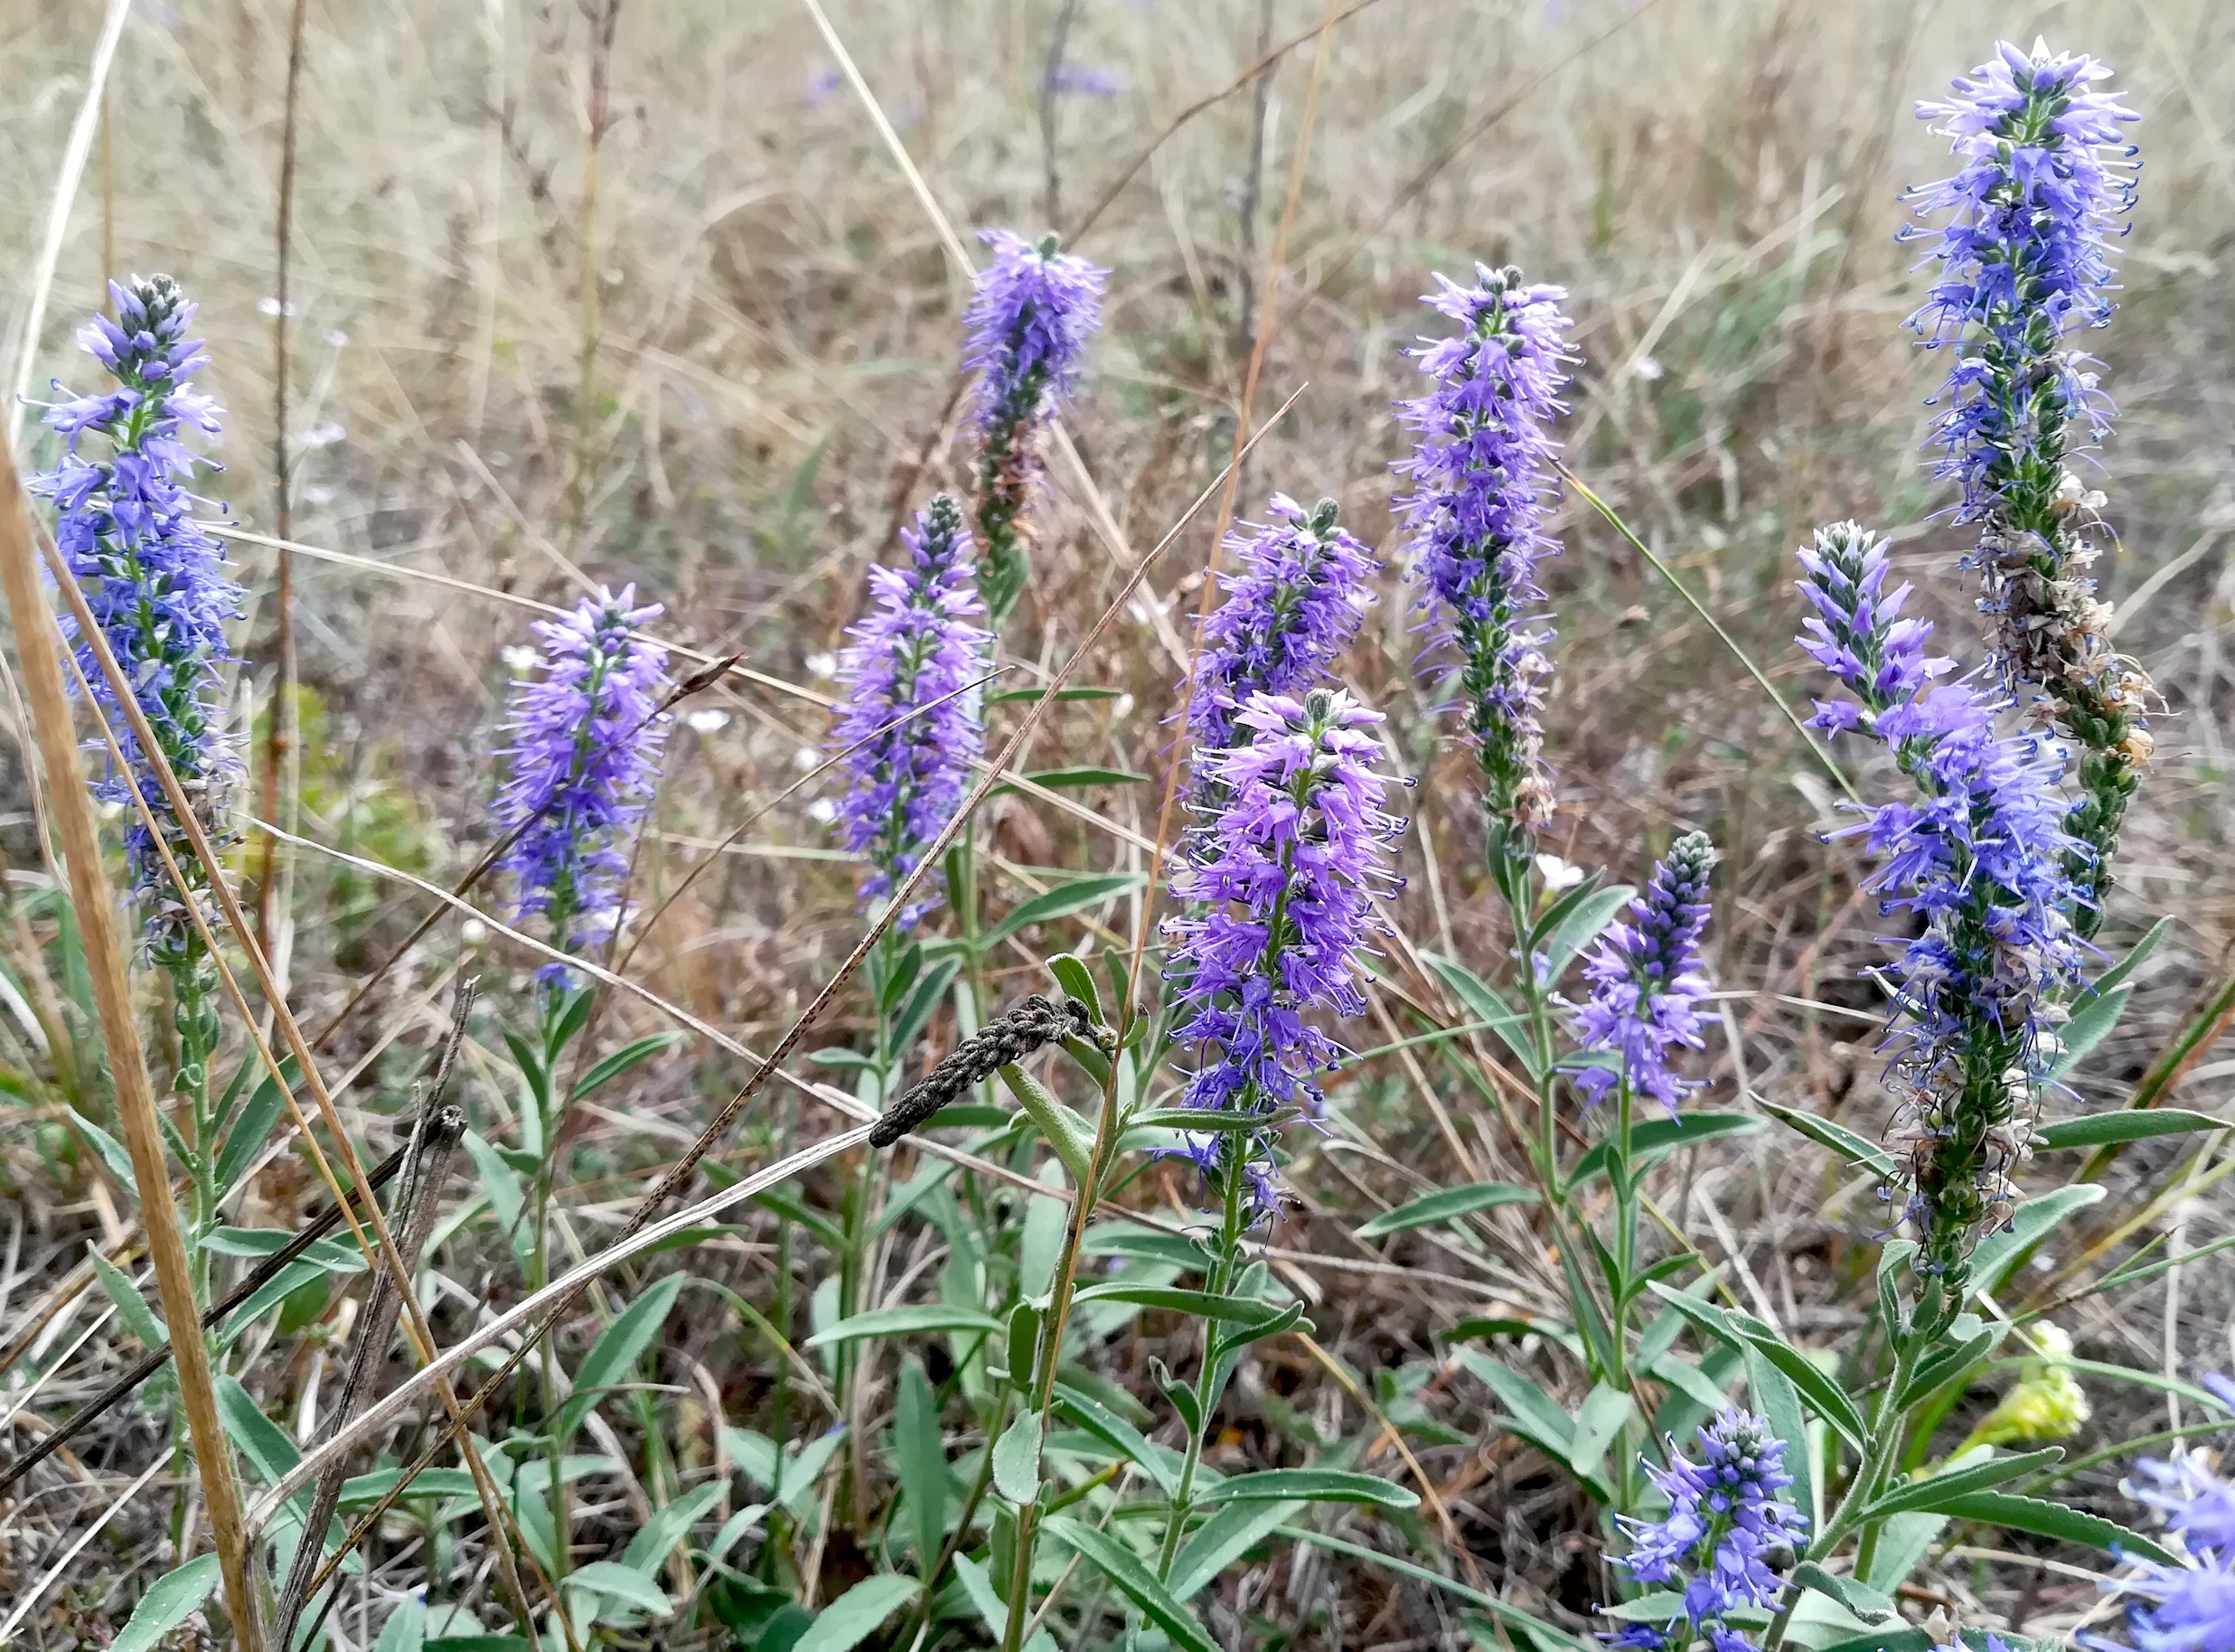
{"points": [[1645, 981], [1026, 331], [1285, 875], [2021, 262], [156, 582], [2190, 1607], [587, 739], [1294, 591], [914, 712], [2019, 247], [1983, 856], [1727, 1515], [1480, 470]]}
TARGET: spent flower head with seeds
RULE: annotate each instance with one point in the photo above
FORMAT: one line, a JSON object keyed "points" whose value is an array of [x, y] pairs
{"points": [[1482, 481], [1728, 1518], [913, 709], [156, 582], [1026, 331], [587, 735], [1983, 856], [1294, 590], [1646, 979], [1284, 878]]}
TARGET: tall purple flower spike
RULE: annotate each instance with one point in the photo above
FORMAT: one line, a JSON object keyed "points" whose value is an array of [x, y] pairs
{"points": [[1026, 333], [2016, 239], [584, 762], [912, 705], [1982, 855], [1646, 979], [156, 582], [1285, 877], [1483, 483]]}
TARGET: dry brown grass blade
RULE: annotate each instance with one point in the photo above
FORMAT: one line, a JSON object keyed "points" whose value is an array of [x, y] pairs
{"points": [[381, 1251], [38, 648]]}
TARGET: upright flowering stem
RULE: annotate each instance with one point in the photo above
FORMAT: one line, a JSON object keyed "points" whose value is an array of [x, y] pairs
{"points": [[1482, 478], [1645, 987], [1983, 857], [1285, 876], [1026, 335], [911, 708], [1482, 481], [158, 589], [2017, 238]]}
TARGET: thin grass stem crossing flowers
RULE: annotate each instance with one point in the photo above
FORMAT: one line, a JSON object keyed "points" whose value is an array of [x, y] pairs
{"points": [[1026, 329], [588, 738], [2017, 238], [919, 643], [1480, 470]]}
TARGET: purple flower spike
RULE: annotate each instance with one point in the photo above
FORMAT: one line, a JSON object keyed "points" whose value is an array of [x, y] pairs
{"points": [[156, 582], [587, 737], [1646, 983], [1285, 875], [1294, 592], [1026, 334], [1727, 1515], [2188, 1607], [1482, 478], [912, 703], [2017, 238], [1856, 632]]}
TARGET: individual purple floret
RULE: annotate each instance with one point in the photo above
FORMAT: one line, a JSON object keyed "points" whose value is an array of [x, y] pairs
{"points": [[1294, 591], [1645, 981], [156, 582], [586, 737], [1025, 336], [2017, 237], [2188, 1607], [1481, 471], [1284, 879], [913, 706], [1983, 855], [1728, 1515]]}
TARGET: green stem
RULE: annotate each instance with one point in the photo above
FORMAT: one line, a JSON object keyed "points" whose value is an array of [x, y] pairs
{"points": [[1207, 1377]]}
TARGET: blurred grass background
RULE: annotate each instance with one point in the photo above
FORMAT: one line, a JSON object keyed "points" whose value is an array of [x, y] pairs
{"points": [[618, 291]]}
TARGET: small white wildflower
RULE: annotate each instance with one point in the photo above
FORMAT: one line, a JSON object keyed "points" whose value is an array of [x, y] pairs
{"points": [[271, 307], [707, 720], [1646, 368], [822, 810], [322, 434], [518, 659], [805, 759], [1558, 874], [822, 665]]}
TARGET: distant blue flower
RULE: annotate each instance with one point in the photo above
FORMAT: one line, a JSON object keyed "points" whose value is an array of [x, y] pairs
{"points": [[586, 737], [911, 704], [1285, 877], [1025, 330], [1481, 470], [1086, 80], [1984, 856], [1294, 592], [1728, 1515], [1646, 979], [2188, 1607], [156, 582]]}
